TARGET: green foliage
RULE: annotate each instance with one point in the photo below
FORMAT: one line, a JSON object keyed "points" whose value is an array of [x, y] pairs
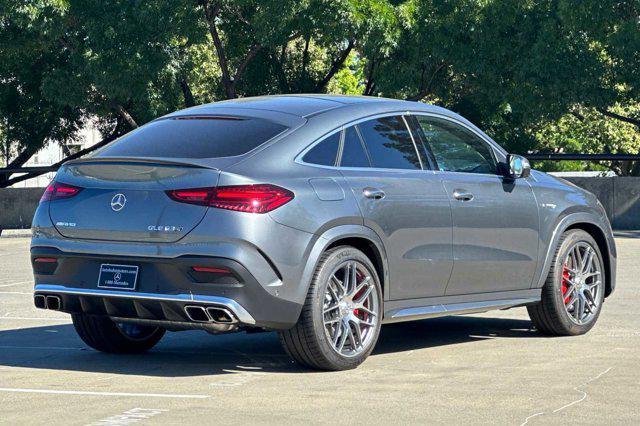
{"points": [[586, 131], [524, 70]]}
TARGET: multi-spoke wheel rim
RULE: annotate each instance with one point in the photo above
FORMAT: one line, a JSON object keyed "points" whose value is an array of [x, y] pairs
{"points": [[350, 309], [581, 283]]}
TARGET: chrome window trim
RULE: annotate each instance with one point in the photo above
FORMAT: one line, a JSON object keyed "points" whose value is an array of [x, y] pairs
{"points": [[415, 146], [298, 159], [493, 146]]}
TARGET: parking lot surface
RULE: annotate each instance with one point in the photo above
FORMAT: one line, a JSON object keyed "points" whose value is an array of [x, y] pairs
{"points": [[481, 369]]}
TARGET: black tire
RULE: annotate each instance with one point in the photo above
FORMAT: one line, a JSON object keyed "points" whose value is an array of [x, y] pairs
{"points": [[102, 334], [549, 315], [307, 343]]}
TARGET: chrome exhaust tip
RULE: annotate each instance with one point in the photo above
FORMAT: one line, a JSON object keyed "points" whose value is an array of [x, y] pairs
{"points": [[221, 315], [40, 301], [197, 314], [53, 303]]}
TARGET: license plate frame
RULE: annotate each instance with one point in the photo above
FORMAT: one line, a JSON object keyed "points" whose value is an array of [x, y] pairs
{"points": [[118, 277]]}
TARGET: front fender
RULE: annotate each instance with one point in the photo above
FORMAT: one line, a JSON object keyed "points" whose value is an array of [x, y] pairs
{"points": [[565, 222]]}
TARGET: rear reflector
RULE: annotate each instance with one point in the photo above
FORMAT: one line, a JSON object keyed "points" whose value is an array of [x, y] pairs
{"points": [[261, 198], [45, 260], [45, 265], [57, 190], [211, 270]]}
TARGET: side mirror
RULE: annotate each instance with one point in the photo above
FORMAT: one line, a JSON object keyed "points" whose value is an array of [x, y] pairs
{"points": [[517, 167]]}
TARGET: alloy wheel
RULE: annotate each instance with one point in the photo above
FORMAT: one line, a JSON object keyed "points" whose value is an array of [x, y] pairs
{"points": [[350, 309], [581, 283]]}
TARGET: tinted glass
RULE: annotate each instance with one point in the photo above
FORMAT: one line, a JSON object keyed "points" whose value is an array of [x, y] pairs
{"points": [[455, 148], [194, 138], [353, 154], [428, 160], [325, 152], [389, 143]]}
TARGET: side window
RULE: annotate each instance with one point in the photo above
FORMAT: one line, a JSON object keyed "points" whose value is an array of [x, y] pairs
{"points": [[353, 154], [324, 153], [389, 143], [455, 148]]}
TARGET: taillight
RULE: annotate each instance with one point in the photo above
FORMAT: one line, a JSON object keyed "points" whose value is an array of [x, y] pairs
{"points": [[261, 198], [57, 190]]}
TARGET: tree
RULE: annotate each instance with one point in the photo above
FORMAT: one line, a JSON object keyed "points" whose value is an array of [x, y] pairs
{"points": [[66, 62], [29, 117], [522, 70]]}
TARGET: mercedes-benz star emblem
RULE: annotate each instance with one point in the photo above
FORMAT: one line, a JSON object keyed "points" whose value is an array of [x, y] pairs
{"points": [[117, 202]]}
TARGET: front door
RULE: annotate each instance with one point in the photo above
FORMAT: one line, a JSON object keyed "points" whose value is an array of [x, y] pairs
{"points": [[406, 205], [495, 221]]}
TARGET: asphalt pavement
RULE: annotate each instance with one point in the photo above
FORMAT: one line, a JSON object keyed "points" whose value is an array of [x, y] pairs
{"points": [[481, 369]]}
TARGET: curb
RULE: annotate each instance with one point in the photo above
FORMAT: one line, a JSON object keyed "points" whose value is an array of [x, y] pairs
{"points": [[15, 233]]}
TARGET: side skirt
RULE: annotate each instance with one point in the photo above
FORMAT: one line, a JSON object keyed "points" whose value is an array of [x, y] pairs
{"points": [[416, 309]]}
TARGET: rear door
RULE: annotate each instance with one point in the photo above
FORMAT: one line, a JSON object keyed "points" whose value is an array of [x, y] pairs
{"points": [[406, 205], [495, 221]]}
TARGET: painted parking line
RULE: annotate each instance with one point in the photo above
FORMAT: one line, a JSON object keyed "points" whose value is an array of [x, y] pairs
{"points": [[44, 348], [63, 319], [116, 394], [130, 416], [18, 283]]}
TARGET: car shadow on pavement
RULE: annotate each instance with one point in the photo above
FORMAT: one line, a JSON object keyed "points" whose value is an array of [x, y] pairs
{"points": [[194, 353]]}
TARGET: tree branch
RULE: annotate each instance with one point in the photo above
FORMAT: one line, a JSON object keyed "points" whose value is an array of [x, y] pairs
{"points": [[189, 100], [240, 70], [579, 116], [335, 67], [424, 92], [19, 161], [279, 65], [305, 59], [124, 114], [5, 182], [611, 114], [368, 90]]}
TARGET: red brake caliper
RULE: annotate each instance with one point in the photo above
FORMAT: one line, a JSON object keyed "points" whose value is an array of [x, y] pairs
{"points": [[355, 296], [565, 283]]}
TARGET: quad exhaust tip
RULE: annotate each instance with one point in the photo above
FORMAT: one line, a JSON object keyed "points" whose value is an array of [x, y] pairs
{"points": [[51, 302], [209, 315], [40, 301]]}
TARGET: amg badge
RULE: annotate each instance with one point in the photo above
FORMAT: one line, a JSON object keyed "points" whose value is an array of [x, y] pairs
{"points": [[161, 228]]}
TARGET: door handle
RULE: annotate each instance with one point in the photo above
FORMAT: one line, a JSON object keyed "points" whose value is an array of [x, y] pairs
{"points": [[373, 193], [462, 195]]}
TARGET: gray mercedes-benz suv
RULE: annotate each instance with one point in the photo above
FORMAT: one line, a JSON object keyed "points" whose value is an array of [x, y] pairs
{"points": [[322, 217]]}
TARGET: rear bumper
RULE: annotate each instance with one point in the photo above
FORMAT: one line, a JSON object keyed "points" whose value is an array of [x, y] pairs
{"points": [[165, 287], [213, 314]]}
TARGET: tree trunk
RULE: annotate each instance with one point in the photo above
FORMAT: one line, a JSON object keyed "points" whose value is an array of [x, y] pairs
{"points": [[335, 67], [211, 15], [125, 115], [189, 100]]}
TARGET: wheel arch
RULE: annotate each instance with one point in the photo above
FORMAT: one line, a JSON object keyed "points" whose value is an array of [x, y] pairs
{"points": [[358, 236], [595, 226], [369, 248], [598, 234]]}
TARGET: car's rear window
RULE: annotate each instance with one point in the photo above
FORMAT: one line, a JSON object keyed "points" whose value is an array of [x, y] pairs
{"points": [[194, 137]]}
